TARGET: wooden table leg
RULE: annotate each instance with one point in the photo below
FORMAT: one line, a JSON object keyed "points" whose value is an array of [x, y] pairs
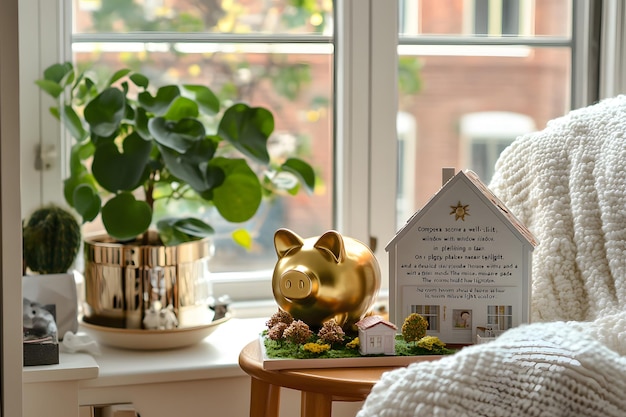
{"points": [[264, 399], [315, 404]]}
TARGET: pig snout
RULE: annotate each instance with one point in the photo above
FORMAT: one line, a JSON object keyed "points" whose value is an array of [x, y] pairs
{"points": [[297, 284]]}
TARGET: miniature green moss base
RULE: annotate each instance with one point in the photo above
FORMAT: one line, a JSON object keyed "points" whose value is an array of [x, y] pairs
{"points": [[283, 349]]}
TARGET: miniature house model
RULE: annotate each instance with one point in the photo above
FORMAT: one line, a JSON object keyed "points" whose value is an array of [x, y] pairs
{"points": [[463, 262], [376, 336]]}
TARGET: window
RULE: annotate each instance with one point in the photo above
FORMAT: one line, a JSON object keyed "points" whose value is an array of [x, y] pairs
{"points": [[343, 108], [499, 317], [376, 341], [274, 55], [281, 56], [499, 17], [488, 71], [487, 134], [430, 313]]}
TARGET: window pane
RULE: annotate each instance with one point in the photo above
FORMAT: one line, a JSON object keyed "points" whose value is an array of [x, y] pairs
{"points": [[292, 79], [468, 108], [216, 16], [485, 17], [473, 75]]}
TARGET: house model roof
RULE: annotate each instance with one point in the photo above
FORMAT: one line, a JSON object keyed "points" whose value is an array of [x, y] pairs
{"points": [[371, 321], [490, 199]]}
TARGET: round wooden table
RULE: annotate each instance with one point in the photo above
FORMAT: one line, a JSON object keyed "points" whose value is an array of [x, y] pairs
{"points": [[318, 387]]}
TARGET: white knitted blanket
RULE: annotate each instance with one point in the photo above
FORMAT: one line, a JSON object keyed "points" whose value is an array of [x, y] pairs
{"points": [[567, 184], [546, 369]]}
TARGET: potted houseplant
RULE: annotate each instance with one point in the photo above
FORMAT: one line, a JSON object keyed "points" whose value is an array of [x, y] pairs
{"points": [[136, 147], [51, 239]]}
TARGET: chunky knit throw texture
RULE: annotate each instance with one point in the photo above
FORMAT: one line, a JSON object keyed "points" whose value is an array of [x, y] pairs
{"points": [[567, 184]]}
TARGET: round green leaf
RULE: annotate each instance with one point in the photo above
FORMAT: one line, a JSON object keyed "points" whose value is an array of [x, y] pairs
{"points": [[73, 124], [302, 170], [179, 136], [125, 218], [72, 182], [117, 171], [57, 72], [174, 231], [53, 88], [238, 198], [80, 152], [159, 104], [191, 167], [207, 100], [181, 108], [118, 75], [140, 80], [141, 123], [105, 112], [248, 129], [87, 202]]}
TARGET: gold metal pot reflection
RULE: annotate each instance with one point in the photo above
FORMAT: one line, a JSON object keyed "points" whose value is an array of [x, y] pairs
{"points": [[122, 281], [323, 278]]}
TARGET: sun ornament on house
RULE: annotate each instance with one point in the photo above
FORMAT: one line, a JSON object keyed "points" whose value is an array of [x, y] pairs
{"points": [[460, 211]]}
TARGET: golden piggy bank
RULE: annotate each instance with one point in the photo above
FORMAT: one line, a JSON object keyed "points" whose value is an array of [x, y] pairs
{"points": [[325, 277]]}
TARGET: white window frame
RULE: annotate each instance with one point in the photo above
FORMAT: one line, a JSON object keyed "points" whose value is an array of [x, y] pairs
{"points": [[365, 125]]}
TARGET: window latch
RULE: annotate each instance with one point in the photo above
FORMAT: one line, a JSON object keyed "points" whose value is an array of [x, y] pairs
{"points": [[45, 157]]}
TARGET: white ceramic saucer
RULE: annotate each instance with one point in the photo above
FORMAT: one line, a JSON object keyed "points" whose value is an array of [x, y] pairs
{"points": [[139, 339]]}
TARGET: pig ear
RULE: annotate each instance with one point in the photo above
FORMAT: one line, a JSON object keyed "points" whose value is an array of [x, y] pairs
{"points": [[332, 243], [286, 240]]}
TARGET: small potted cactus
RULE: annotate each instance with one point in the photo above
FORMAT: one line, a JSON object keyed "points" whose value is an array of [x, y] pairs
{"points": [[51, 239]]}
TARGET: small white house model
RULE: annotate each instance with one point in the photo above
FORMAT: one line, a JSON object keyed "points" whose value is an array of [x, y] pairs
{"points": [[376, 336], [463, 262]]}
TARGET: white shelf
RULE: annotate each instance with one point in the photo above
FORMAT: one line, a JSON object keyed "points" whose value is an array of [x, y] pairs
{"points": [[71, 367]]}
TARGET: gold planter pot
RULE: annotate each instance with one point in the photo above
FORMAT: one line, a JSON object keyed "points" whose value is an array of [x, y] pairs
{"points": [[147, 286]]}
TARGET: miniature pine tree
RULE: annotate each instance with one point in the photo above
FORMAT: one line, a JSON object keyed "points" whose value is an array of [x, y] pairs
{"points": [[331, 332], [298, 332], [414, 328]]}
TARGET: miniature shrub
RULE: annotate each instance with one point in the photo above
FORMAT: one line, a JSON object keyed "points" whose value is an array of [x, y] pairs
{"points": [[277, 331], [316, 348], [353, 344], [280, 316], [414, 327], [331, 332], [298, 332], [430, 343]]}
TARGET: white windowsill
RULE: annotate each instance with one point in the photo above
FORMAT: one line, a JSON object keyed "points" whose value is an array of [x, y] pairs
{"points": [[215, 357]]}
